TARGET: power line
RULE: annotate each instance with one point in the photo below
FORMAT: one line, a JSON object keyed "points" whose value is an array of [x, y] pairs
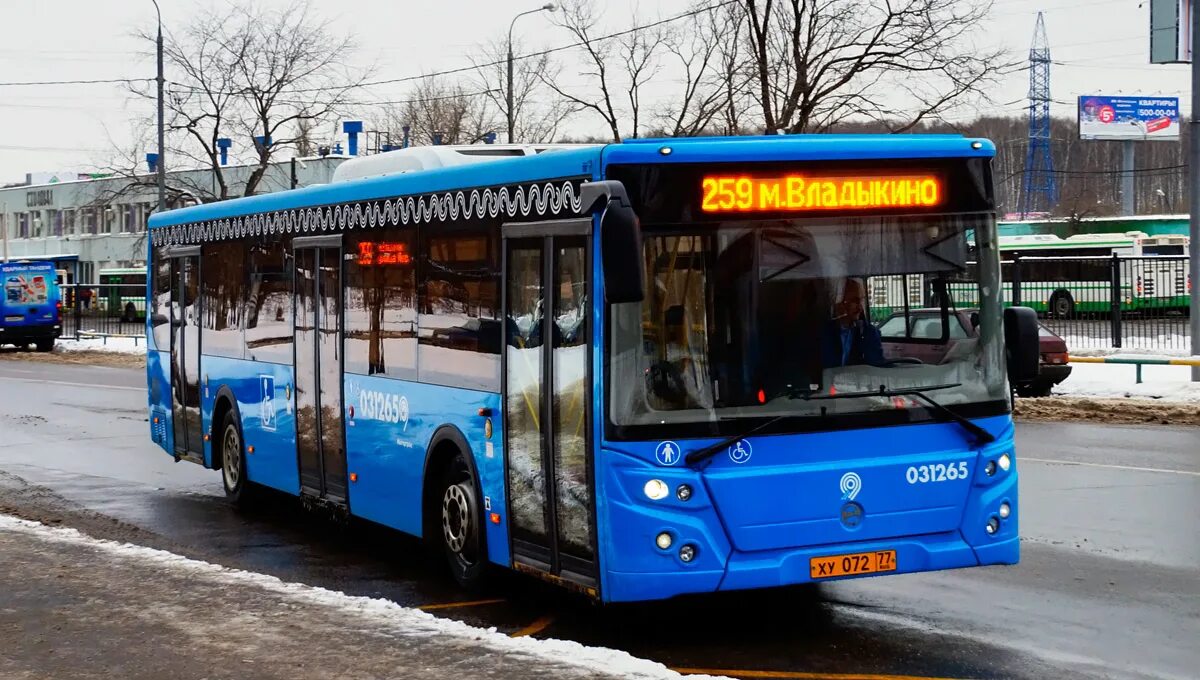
{"points": [[520, 57], [76, 82]]}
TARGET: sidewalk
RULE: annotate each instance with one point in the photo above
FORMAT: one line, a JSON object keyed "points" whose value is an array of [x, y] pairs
{"points": [[76, 607]]}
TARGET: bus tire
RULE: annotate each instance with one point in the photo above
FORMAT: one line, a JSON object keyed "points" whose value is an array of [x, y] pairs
{"points": [[45, 345], [460, 527], [238, 490], [1062, 305]]}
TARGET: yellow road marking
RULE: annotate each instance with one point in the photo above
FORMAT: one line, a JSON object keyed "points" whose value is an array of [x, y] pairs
{"points": [[535, 627], [455, 605], [799, 675]]}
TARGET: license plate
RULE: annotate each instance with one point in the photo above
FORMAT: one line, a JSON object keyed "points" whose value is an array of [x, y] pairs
{"points": [[14, 318], [852, 564]]}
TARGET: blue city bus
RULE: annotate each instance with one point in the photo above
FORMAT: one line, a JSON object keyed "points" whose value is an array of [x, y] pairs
{"points": [[635, 370]]}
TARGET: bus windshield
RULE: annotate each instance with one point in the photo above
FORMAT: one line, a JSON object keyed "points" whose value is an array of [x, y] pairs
{"points": [[742, 317]]}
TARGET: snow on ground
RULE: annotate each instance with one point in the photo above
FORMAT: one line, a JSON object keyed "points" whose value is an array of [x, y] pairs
{"points": [[120, 345], [413, 621], [1168, 383]]}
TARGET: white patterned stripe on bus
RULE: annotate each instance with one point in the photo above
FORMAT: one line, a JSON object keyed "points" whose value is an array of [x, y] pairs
{"points": [[546, 200]]}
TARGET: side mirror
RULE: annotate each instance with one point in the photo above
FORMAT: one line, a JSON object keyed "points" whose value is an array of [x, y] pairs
{"points": [[620, 241], [1021, 344]]}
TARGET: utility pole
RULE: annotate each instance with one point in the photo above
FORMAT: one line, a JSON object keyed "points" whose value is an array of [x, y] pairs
{"points": [[548, 7], [161, 165], [1194, 182], [1128, 205]]}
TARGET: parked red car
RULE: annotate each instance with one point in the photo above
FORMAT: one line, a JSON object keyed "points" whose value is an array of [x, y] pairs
{"points": [[926, 324]]}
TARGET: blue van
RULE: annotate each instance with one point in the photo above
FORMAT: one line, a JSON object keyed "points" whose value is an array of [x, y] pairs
{"points": [[30, 305]]}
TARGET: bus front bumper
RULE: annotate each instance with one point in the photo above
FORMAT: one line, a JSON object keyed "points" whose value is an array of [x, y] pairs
{"points": [[777, 568]]}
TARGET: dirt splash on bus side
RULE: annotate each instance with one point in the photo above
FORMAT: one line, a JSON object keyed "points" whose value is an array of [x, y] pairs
{"points": [[1116, 411]]}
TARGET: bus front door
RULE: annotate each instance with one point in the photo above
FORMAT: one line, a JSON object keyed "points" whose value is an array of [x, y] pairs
{"points": [[320, 438], [185, 355], [547, 401]]}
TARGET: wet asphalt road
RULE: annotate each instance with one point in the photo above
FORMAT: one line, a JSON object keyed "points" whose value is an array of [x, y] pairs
{"points": [[1109, 584]]}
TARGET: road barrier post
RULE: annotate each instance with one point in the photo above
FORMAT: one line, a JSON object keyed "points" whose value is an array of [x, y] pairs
{"points": [[1115, 301]]}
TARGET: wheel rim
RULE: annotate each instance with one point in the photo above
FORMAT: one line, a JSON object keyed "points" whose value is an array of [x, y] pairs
{"points": [[1062, 306], [231, 457], [457, 516]]}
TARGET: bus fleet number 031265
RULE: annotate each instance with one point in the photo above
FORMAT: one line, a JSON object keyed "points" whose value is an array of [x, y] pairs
{"points": [[939, 472]]}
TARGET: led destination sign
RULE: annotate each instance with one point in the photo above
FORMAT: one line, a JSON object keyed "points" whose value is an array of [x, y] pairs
{"points": [[808, 192]]}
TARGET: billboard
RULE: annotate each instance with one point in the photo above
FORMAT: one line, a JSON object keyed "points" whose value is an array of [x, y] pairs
{"points": [[1170, 31], [1128, 117]]}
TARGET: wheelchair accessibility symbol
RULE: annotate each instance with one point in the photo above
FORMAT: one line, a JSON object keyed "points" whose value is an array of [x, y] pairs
{"points": [[740, 452]]}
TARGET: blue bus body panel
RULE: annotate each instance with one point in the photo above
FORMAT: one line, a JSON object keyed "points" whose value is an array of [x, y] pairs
{"points": [[756, 523], [158, 386], [268, 417], [387, 439]]}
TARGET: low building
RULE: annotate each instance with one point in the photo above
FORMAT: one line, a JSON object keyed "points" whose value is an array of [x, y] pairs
{"points": [[102, 222]]}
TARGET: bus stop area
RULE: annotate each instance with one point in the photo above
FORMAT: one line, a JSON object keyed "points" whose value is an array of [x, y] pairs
{"points": [[1108, 546]]}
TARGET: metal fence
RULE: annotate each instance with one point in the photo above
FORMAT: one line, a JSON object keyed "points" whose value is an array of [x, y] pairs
{"points": [[1101, 302], [104, 309]]}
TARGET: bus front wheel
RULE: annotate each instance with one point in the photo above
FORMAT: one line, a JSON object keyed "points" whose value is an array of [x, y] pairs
{"points": [[1062, 306], [461, 524]]}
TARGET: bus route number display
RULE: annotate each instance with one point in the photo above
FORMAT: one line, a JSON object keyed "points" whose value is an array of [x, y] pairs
{"points": [[802, 193]]}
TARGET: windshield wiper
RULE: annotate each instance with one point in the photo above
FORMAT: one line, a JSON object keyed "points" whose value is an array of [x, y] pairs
{"points": [[981, 435], [711, 450]]}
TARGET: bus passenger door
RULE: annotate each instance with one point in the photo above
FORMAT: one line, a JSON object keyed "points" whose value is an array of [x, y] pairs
{"points": [[185, 354], [547, 400], [320, 438]]}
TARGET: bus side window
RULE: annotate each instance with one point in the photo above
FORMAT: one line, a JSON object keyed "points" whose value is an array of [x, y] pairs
{"points": [[269, 333]]}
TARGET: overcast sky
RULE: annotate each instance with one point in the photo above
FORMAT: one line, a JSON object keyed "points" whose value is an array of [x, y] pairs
{"points": [[1103, 45]]}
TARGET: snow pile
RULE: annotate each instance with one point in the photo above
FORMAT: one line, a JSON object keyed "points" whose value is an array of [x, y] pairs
{"points": [[1168, 383], [119, 345], [411, 622]]}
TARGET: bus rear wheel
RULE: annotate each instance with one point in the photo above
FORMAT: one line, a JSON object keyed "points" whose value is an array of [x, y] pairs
{"points": [[461, 524], [1062, 306], [45, 345], [238, 489]]}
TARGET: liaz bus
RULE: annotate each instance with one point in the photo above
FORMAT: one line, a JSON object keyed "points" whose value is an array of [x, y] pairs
{"points": [[635, 370]]}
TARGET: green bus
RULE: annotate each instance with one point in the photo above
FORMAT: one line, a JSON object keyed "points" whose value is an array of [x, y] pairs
{"points": [[1062, 277], [123, 293]]}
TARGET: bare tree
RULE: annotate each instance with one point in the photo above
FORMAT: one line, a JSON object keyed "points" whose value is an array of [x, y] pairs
{"points": [[449, 109], [707, 52], [247, 73], [580, 19], [615, 68], [537, 111], [818, 62]]}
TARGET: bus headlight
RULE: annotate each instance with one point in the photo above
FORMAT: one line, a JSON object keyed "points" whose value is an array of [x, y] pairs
{"points": [[663, 540], [687, 553], [992, 526], [1005, 510], [683, 493], [1005, 461], [655, 489], [990, 468]]}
